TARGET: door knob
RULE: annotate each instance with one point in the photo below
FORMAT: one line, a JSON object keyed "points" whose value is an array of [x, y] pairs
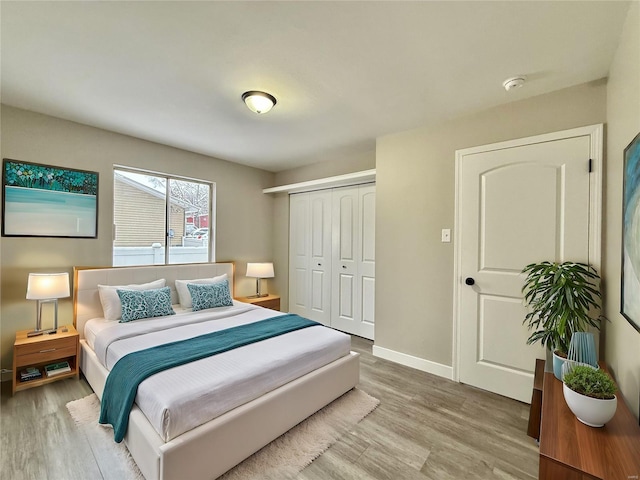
{"points": [[319, 264], [344, 266], [469, 281]]}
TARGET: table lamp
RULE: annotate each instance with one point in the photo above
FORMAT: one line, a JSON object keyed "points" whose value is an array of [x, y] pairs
{"points": [[47, 288], [259, 271]]}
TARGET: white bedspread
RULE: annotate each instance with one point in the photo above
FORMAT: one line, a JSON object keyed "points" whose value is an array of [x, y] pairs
{"points": [[184, 397]]}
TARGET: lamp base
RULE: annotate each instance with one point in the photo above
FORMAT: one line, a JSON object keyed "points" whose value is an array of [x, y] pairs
{"points": [[35, 333], [38, 330], [259, 295]]}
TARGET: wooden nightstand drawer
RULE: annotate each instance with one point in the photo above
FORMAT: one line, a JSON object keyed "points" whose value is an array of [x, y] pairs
{"points": [[272, 304], [46, 355], [45, 346], [270, 301]]}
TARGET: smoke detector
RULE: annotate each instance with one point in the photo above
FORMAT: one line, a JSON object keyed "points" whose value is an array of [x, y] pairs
{"points": [[511, 83]]}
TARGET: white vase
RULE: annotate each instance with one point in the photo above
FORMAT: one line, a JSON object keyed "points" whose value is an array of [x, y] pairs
{"points": [[594, 412], [558, 365]]}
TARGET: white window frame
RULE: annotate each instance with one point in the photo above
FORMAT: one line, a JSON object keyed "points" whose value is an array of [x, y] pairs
{"points": [[167, 176]]}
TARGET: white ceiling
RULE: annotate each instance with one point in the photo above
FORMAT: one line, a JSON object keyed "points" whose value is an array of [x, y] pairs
{"points": [[344, 73]]}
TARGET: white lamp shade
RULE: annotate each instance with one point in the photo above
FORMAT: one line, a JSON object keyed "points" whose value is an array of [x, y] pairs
{"points": [[260, 270], [259, 102], [45, 286]]}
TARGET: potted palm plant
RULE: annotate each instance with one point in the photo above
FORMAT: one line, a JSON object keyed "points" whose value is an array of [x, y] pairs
{"points": [[590, 394], [561, 297]]}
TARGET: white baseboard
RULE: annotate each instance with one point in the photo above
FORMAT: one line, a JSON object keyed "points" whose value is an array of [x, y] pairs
{"points": [[414, 362]]}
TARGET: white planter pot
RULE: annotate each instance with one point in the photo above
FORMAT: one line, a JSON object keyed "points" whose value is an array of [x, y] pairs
{"points": [[590, 411]]}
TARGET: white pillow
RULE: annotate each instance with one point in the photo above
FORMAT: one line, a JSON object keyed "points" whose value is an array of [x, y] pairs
{"points": [[183, 291], [111, 306]]}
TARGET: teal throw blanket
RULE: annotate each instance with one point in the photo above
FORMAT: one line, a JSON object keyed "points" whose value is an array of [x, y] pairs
{"points": [[131, 370]]}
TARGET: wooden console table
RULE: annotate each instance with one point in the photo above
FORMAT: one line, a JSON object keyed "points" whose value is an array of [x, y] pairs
{"points": [[535, 413], [570, 450]]}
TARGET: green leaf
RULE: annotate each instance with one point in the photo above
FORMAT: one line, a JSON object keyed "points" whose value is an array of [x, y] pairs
{"points": [[560, 297]]}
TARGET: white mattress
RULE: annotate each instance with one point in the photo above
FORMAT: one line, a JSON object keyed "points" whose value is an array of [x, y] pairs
{"points": [[93, 327], [184, 397]]}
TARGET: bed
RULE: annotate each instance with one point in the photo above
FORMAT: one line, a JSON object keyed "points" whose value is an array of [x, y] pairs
{"points": [[165, 446]]}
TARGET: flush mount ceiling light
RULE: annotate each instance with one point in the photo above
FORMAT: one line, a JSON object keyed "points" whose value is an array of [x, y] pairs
{"points": [[511, 83], [259, 102]]}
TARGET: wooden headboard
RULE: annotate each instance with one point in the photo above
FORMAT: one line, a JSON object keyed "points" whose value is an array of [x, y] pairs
{"points": [[86, 301]]}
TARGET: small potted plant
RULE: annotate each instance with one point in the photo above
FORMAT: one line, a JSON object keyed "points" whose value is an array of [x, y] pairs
{"points": [[561, 297], [590, 394]]}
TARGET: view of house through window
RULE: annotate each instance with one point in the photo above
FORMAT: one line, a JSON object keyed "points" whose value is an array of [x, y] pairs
{"points": [[160, 219]]}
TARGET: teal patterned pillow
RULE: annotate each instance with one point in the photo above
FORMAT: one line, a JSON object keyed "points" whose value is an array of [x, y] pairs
{"points": [[210, 295], [137, 304]]}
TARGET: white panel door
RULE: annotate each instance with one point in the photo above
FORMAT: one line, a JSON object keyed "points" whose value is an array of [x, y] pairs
{"points": [[310, 255], [320, 257], [299, 255], [367, 259], [344, 289], [517, 205], [353, 283]]}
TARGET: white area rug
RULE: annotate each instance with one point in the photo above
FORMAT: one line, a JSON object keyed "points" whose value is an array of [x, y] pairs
{"points": [[282, 458]]}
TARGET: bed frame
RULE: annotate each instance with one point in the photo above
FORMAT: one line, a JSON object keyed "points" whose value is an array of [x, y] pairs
{"points": [[211, 449]]}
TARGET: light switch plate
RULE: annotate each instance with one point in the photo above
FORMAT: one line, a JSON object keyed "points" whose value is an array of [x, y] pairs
{"points": [[446, 235]]}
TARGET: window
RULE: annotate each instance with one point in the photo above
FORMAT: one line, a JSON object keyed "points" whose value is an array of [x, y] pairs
{"points": [[149, 230]]}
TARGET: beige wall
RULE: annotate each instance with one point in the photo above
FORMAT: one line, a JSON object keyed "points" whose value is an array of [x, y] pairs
{"points": [[244, 214], [622, 342], [355, 163], [415, 200]]}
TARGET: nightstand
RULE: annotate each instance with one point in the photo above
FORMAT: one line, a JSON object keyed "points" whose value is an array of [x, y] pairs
{"points": [[270, 301], [43, 350]]}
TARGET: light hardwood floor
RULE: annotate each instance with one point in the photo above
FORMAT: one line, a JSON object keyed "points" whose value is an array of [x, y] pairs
{"points": [[426, 428]]}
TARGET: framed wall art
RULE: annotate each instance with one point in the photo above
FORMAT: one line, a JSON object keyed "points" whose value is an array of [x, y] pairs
{"points": [[630, 288], [48, 201]]}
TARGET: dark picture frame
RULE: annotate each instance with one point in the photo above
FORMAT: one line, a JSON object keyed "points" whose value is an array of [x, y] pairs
{"points": [[40, 200], [630, 281]]}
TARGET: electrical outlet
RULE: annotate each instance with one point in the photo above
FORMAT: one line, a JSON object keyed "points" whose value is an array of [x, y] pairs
{"points": [[446, 235]]}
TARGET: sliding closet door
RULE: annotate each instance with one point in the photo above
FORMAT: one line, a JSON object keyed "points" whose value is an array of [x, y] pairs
{"points": [[345, 307], [353, 283], [310, 256], [367, 259], [320, 256], [299, 247]]}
